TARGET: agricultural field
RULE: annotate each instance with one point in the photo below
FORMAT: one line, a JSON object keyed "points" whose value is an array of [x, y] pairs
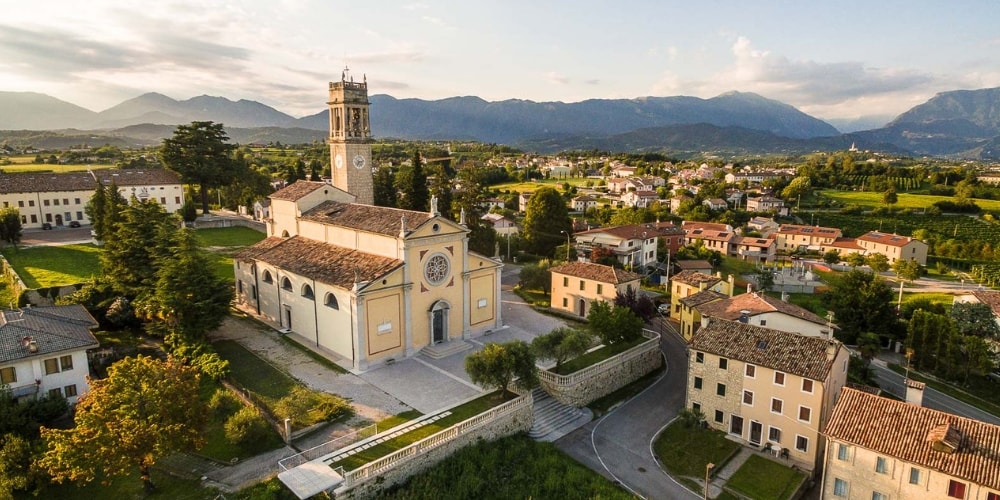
{"points": [[959, 227], [24, 163], [906, 200], [902, 183], [532, 186]]}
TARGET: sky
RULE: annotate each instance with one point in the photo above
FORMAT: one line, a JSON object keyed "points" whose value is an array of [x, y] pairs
{"points": [[833, 60]]}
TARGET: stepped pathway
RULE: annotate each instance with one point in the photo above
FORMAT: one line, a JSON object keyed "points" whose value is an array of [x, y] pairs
{"points": [[385, 436], [553, 419]]}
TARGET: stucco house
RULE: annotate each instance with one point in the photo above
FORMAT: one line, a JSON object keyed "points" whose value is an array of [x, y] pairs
{"points": [[576, 284], [894, 247], [758, 250], [796, 237], [43, 351], [684, 286], [767, 204], [502, 225], [761, 310]]}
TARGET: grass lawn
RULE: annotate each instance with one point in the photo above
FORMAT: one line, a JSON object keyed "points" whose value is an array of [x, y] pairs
{"points": [[221, 264], [254, 373], [596, 356], [54, 266], [811, 301], [390, 422], [762, 479], [536, 297], [906, 200], [530, 187], [237, 236], [458, 414], [684, 451], [944, 299], [980, 392]]}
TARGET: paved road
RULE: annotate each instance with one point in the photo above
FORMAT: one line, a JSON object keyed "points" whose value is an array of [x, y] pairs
{"points": [[892, 382], [619, 445]]}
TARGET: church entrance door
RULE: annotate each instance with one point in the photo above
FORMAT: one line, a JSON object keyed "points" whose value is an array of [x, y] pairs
{"points": [[439, 323]]}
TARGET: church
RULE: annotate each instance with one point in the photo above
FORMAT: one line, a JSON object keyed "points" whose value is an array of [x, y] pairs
{"points": [[370, 284]]}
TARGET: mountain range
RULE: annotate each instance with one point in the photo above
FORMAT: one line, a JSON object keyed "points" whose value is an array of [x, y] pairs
{"points": [[963, 123]]}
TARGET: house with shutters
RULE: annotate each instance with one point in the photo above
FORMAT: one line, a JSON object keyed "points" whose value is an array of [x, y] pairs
{"points": [[894, 247], [575, 285]]}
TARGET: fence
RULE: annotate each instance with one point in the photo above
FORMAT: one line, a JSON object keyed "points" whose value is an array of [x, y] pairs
{"points": [[653, 342], [373, 469], [327, 448], [202, 223]]}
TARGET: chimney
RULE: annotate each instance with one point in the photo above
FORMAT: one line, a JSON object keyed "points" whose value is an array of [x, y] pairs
{"points": [[784, 296], [30, 344], [749, 287], [915, 392], [732, 285], [831, 350]]}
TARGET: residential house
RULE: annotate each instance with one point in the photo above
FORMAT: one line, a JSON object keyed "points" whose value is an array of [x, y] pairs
{"points": [[673, 236], [713, 226], [490, 203], [894, 247], [701, 266], [583, 203], [262, 210], [763, 225], [575, 285], [502, 225], [724, 242], [61, 198], [639, 199], [794, 237], [43, 351], [677, 201], [734, 197], [623, 184], [633, 245], [715, 204], [758, 250], [880, 448], [844, 247], [522, 201], [623, 171], [767, 204], [688, 283], [753, 178], [766, 388], [988, 297], [761, 310]]}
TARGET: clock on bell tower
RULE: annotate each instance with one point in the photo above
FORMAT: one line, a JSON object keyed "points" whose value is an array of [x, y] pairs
{"points": [[350, 138]]}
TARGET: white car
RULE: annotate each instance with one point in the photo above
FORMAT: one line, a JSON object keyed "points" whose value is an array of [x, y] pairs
{"points": [[664, 309]]}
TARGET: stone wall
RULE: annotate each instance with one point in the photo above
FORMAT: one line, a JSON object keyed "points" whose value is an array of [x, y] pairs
{"points": [[205, 223], [357, 486], [596, 381]]}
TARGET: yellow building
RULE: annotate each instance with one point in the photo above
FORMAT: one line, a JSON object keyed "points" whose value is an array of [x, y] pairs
{"points": [[766, 388], [690, 289], [576, 284], [878, 448], [367, 283], [794, 237]]}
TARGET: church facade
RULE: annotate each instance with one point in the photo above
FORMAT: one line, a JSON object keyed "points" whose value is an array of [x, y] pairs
{"points": [[367, 283]]}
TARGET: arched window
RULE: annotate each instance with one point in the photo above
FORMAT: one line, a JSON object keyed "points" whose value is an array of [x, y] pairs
{"points": [[267, 277], [331, 301], [307, 292], [284, 234], [286, 284]]}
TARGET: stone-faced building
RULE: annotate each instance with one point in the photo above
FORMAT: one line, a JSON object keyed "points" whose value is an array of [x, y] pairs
{"points": [[766, 388], [576, 284], [367, 283]]}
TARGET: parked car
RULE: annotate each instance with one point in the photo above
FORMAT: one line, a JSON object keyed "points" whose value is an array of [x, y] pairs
{"points": [[664, 309], [74, 223], [46, 226]]}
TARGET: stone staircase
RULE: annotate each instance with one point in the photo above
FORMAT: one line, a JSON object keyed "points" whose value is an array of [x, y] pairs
{"points": [[445, 349], [553, 419]]}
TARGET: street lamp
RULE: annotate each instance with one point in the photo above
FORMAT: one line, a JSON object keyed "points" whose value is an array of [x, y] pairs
{"points": [[567, 244], [708, 468]]}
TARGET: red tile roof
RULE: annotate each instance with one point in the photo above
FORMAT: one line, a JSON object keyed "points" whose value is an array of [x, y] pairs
{"points": [[731, 308], [684, 265], [636, 231], [990, 298], [824, 232], [901, 430], [320, 261], [40, 182], [371, 218], [809, 357], [702, 297], [714, 226], [695, 278], [886, 239], [596, 272], [846, 243], [297, 190]]}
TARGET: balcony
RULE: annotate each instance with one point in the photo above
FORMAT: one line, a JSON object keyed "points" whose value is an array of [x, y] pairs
{"points": [[24, 390]]}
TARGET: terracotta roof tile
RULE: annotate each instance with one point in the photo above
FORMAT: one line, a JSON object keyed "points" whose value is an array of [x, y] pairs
{"points": [[703, 297], [371, 218], [635, 231], [990, 298], [901, 430], [37, 182], [846, 243], [296, 190], [695, 278], [809, 357], [730, 309], [692, 264], [714, 226], [886, 239], [820, 231], [320, 261], [596, 272]]}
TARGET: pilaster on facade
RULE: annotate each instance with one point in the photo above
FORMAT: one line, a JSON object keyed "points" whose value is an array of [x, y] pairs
{"points": [[409, 349], [361, 348]]}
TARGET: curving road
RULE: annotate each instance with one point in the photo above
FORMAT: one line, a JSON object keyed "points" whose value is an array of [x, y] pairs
{"points": [[619, 444], [892, 382]]}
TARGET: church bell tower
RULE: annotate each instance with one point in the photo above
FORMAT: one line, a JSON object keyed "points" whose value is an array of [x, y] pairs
{"points": [[350, 136]]}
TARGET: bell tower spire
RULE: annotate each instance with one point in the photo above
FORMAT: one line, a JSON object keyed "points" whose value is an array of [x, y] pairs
{"points": [[350, 137]]}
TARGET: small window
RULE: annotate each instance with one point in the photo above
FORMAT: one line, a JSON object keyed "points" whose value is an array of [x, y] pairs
{"points": [[777, 405], [65, 201], [718, 416], [879, 496], [307, 292], [839, 487], [600, 289], [763, 322], [774, 434], [802, 443], [54, 393], [8, 375], [51, 366], [779, 378], [751, 371], [286, 284], [956, 489], [31, 203], [76, 201], [699, 357], [805, 413], [748, 397], [44, 202], [177, 200], [583, 285], [79, 215], [69, 391], [565, 302], [842, 452], [266, 277], [66, 362], [720, 390], [915, 477], [697, 382], [331, 301], [20, 203], [723, 363], [696, 407], [807, 385], [992, 496], [881, 465], [565, 281]]}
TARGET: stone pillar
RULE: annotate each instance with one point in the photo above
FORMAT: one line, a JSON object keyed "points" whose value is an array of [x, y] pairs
{"points": [[408, 346], [361, 335], [498, 300], [466, 306]]}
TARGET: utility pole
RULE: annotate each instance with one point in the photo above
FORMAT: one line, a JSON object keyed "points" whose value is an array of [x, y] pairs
{"points": [[567, 244]]}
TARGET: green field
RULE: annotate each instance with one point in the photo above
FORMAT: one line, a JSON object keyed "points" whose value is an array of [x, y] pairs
{"points": [[959, 227], [905, 200], [781, 481], [54, 266], [532, 186], [24, 163]]}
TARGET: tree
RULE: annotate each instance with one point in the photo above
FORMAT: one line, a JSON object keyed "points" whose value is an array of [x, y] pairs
{"points": [[764, 279], [496, 366], [546, 222], [855, 260], [144, 410], [798, 187], [862, 303], [906, 270], [889, 196], [562, 344], [411, 182], [869, 346], [831, 257], [385, 190], [16, 472], [96, 209], [639, 303], [975, 319], [536, 276], [10, 225], [613, 324], [128, 257], [441, 188], [199, 153], [878, 262]]}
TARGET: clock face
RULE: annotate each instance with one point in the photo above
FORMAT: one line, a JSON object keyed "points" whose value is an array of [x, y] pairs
{"points": [[339, 160], [436, 269], [359, 161]]}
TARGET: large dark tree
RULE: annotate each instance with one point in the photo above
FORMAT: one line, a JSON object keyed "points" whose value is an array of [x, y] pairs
{"points": [[199, 153], [96, 209], [546, 222], [861, 303], [128, 258], [10, 225], [385, 189], [411, 182]]}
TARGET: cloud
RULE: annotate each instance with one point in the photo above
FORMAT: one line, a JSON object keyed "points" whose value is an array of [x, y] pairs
{"points": [[556, 78]]}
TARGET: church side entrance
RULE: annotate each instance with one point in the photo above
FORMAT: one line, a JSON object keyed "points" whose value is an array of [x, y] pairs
{"points": [[439, 322]]}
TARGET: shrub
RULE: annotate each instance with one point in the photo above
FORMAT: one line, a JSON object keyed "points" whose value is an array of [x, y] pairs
{"points": [[307, 407], [246, 426], [223, 403]]}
